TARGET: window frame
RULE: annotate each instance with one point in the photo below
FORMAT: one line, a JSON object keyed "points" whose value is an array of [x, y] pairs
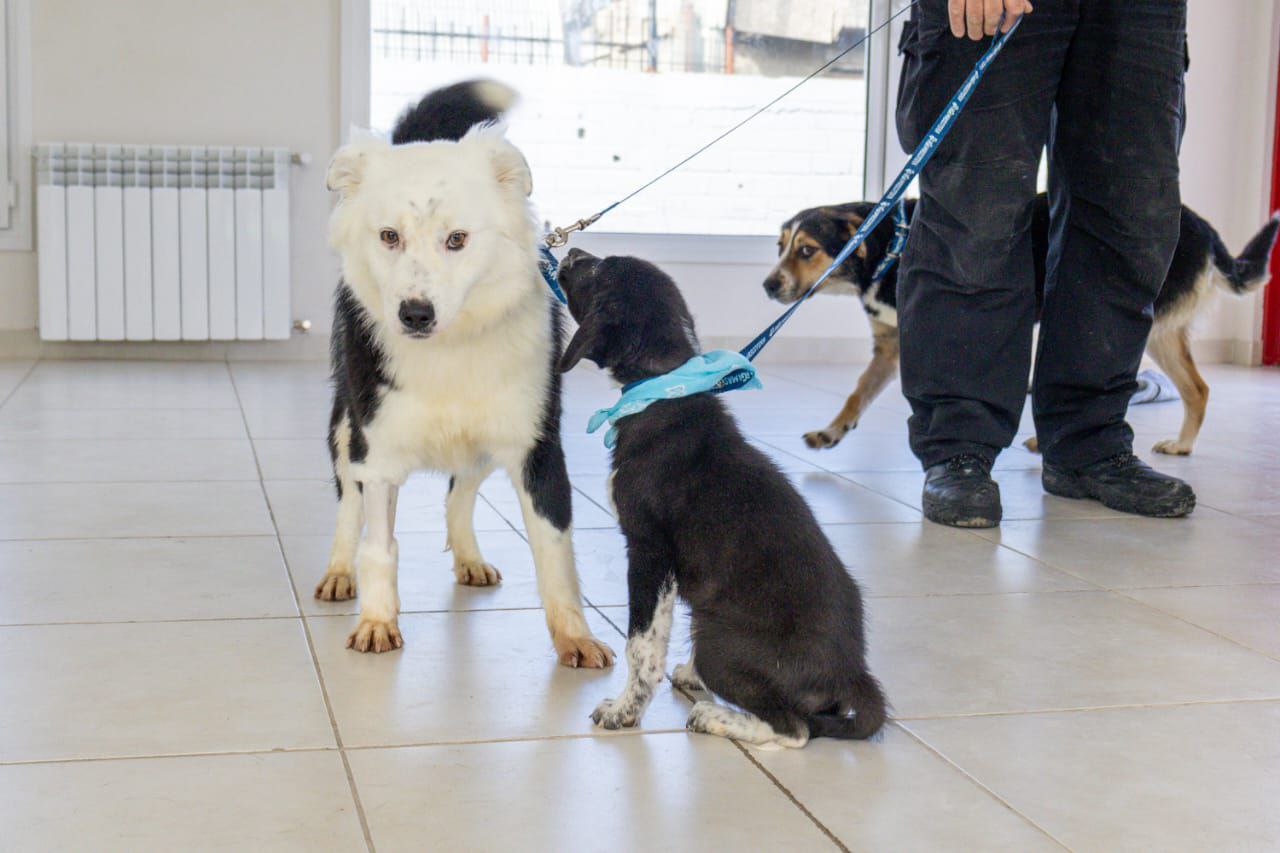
{"points": [[15, 125], [879, 152]]}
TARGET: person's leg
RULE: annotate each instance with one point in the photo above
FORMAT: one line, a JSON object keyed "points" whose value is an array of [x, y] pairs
{"points": [[966, 293], [1116, 204]]}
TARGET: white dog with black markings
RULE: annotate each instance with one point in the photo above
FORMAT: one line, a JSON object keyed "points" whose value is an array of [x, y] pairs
{"points": [[445, 340]]}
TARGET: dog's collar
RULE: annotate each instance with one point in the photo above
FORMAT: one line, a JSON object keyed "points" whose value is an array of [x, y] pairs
{"points": [[548, 265], [901, 230], [715, 372]]}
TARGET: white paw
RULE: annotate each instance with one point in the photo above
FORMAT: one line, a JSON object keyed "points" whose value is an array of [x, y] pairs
{"points": [[1172, 447], [685, 677], [336, 587], [614, 714], [476, 573], [706, 718], [373, 635]]}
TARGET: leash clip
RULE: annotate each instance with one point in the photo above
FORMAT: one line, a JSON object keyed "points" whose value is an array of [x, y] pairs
{"points": [[560, 236]]}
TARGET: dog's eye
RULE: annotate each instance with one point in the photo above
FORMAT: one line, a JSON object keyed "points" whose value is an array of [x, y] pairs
{"points": [[389, 237], [456, 241], [805, 251]]}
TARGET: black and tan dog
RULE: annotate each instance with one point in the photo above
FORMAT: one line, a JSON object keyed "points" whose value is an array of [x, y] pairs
{"points": [[811, 238], [777, 621]]}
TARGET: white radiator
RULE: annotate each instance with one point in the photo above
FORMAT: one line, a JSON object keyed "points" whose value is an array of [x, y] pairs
{"points": [[148, 243]]}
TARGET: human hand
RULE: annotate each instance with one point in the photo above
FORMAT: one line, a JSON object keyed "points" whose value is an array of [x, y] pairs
{"points": [[979, 18]]}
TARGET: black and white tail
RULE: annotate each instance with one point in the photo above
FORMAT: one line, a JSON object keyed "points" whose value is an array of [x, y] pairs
{"points": [[450, 112], [1242, 274]]}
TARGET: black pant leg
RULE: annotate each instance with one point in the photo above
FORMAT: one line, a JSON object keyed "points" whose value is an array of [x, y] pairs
{"points": [[966, 292], [1116, 206]]}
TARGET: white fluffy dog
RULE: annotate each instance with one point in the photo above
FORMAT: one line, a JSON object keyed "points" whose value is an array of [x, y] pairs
{"points": [[444, 345]]}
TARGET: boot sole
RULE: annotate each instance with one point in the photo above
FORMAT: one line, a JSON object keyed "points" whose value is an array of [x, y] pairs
{"points": [[966, 517], [1067, 486]]}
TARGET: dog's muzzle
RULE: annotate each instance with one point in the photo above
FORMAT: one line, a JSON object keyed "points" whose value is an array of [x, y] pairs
{"points": [[417, 317], [773, 286]]}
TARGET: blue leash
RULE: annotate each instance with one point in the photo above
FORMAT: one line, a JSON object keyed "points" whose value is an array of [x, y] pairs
{"points": [[739, 372]]}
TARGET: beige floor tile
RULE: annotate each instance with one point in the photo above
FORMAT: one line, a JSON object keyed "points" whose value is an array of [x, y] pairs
{"points": [[125, 460], [953, 655], [471, 676], [602, 565], [296, 384], [1021, 494], [836, 500], [126, 385], [929, 559], [655, 792], [1206, 548], [114, 510], [1248, 614], [278, 801], [11, 375], [891, 793], [294, 458], [304, 507], [426, 574], [1200, 777], [279, 421], [124, 580], [94, 691], [27, 424]]}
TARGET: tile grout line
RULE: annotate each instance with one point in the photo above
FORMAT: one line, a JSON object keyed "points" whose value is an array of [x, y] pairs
{"points": [[19, 383], [592, 735], [306, 630], [989, 791]]}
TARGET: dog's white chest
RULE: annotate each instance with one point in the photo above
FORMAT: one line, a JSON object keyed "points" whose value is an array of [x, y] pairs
{"points": [[457, 407]]}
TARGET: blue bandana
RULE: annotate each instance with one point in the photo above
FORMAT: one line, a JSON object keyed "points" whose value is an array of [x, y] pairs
{"points": [[716, 371]]}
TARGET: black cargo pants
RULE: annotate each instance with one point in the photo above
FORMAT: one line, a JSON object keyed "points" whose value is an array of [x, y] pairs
{"points": [[1101, 83]]}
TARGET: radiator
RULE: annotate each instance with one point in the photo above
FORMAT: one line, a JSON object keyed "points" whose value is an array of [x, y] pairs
{"points": [[148, 243]]}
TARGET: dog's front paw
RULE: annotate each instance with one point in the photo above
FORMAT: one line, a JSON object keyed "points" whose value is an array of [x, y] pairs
{"points": [[685, 677], [1172, 447], [476, 573], [615, 714], [373, 635], [336, 587], [706, 718], [586, 652], [821, 439]]}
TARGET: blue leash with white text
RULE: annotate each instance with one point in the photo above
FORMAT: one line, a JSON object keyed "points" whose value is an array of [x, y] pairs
{"points": [[737, 367]]}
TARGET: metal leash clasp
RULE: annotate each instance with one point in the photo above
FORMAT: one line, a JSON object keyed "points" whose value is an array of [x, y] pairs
{"points": [[560, 236]]}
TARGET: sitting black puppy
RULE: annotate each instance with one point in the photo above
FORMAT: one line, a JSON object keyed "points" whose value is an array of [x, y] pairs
{"points": [[777, 621]]}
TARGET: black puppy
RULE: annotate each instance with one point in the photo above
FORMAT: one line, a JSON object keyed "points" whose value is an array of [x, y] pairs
{"points": [[777, 621]]}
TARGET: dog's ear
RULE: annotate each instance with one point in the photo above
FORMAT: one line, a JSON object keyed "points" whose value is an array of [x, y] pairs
{"points": [[347, 168], [583, 345], [849, 220], [509, 165]]}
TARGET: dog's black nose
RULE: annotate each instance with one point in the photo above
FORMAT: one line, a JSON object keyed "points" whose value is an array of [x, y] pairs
{"points": [[417, 316], [772, 286]]}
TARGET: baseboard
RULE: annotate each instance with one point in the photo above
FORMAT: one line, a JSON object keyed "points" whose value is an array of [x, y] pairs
{"points": [[25, 343]]}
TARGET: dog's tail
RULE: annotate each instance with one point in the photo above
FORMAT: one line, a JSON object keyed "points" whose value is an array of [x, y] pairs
{"points": [[1242, 274], [860, 717], [450, 112]]}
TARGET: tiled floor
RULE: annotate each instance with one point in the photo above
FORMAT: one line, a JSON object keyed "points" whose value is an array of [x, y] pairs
{"points": [[1076, 679]]}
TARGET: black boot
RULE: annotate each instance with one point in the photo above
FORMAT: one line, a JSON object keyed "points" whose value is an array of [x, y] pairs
{"points": [[961, 493], [1124, 483]]}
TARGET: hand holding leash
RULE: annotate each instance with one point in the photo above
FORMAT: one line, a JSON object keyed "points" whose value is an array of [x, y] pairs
{"points": [[982, 18]]}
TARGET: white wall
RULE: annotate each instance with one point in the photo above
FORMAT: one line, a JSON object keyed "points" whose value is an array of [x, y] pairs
{"points": [[266, 72], [1226, 154], [231, 72]]}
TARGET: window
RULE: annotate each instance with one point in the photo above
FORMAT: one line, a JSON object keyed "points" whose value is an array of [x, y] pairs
{"points": [[615, 91], [15, 143]]}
